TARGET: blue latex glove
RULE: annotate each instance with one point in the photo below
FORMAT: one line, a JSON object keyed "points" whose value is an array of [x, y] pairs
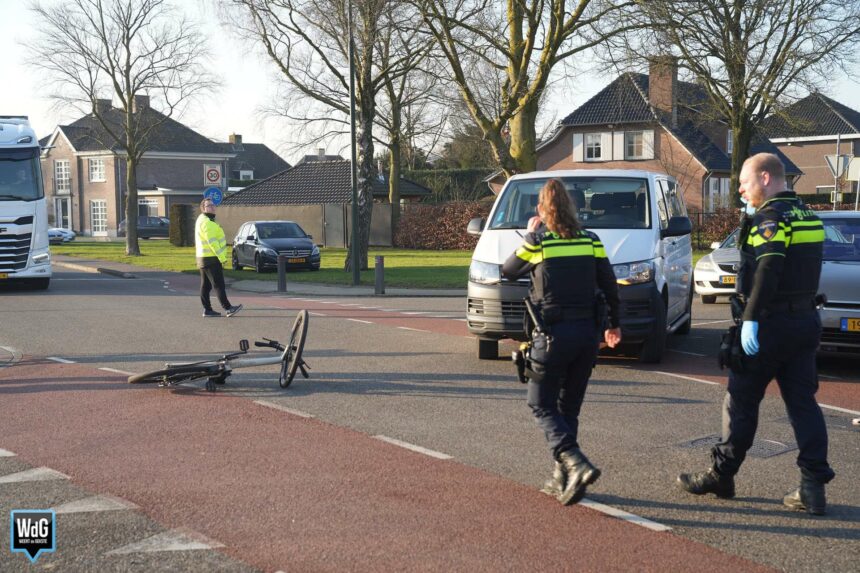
{"points": [[749, 337]]}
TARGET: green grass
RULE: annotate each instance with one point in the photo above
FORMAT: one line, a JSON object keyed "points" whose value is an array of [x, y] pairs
{"points": [[698, 255], [403, 268]]}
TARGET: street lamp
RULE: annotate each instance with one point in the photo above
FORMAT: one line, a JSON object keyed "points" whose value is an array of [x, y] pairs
{"points": [[356, 276]]}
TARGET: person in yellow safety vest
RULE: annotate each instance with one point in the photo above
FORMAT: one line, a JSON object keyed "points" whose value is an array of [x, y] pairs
{"points": [[211, 249]]}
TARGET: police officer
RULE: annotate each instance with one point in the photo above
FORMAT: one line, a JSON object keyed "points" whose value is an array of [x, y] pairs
{"points": [[567, 264], [778, 280], [211, 249]]}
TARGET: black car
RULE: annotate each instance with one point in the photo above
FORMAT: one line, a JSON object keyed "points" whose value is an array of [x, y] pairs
{"points": [[149, 227], [258, 244]]}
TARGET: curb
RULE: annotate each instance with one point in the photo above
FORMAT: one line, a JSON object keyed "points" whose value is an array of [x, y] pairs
{"points": [[86, 269]]}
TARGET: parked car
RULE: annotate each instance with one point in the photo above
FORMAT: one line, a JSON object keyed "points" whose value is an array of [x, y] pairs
{"points": [[258, 243], [716, 273], [58, 236], [840, 281], [148, 227], [642, 221]]}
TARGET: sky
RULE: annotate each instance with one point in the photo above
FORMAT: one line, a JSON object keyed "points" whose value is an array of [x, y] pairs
{"points": [[246, 86]]}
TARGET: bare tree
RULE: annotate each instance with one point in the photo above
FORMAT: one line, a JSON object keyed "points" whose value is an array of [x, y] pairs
{"points": [[749, 55], [521, 41], [122, 49]]}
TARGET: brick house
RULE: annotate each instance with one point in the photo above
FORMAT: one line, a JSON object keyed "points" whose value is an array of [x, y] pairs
{"points": [[807, 131], [85, 172], [652, 122], [252, 161]]}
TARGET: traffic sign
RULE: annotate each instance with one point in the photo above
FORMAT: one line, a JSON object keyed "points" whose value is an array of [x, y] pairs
{"points": [[853, 170], [214, 194], [837, 164], [212, 175]]}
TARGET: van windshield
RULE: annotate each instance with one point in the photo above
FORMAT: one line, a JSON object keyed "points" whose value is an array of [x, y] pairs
{"points": [[601, 202], [20, 175]]}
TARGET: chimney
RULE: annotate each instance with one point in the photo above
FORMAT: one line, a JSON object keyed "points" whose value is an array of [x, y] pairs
{"points": [[140, 102], [235, 139], [102, 105], [663, 86], [321, 153]]}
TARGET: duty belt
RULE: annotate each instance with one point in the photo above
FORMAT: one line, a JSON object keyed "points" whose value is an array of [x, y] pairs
{"points": [[795, 305], [558, 315]]}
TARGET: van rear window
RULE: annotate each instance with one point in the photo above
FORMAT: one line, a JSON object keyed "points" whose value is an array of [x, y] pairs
{"points": [[601, 202]]}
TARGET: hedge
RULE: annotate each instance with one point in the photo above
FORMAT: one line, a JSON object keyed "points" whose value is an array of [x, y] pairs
{"points": [[452, 184], [439, 227]]}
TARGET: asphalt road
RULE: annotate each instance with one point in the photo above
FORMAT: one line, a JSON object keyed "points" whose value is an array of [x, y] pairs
{"points": [[243, 480]]}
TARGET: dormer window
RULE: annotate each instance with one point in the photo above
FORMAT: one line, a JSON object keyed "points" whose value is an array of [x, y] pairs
{"points": [[593, 149]]}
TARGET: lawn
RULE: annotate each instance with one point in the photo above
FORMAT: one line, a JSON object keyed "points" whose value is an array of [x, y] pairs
{"points": [[403, 268]]}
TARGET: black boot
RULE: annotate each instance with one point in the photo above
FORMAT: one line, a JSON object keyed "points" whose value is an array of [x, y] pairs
{"points": [[555, 485], [708, 481], [808, 497], [580, 474]]}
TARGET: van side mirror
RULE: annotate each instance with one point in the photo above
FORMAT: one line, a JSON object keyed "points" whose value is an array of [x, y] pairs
{"points": [[678, 227], [476, 226], [249, 238], [311, 237]]}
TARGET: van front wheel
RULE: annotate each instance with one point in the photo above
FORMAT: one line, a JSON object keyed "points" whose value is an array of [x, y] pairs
{"points": [[488, 349], [652, 349]]}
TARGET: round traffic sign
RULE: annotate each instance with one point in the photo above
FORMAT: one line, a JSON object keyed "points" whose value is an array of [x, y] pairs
{"points": [[214, 194], [213, 175]]}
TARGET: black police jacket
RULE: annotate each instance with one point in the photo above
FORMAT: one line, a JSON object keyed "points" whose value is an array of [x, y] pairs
{"points": [[565, 272]]}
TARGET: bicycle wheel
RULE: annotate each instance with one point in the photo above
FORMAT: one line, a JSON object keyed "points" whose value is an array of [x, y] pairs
{"points": [[294, 349], [175, 374]]}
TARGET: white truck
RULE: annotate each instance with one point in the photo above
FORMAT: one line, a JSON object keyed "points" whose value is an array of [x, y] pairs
{"points": [[24, 254]]}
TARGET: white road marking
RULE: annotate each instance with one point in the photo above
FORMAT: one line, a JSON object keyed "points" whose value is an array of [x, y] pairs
{"points": [[412, 329], [326, 301], [316, 314], [416, 312], [94, 504], [361, 321], [60, 360], [179, 539], [685, 352], [838, 409], [350, 304], [35, 474], [6, 454], [626, 516], [829, 376], [369, 307], [711, 322], [16, 355], [414, 448], [115, 371], [389, 309], [276, 406], [462, 319], [690, 378]]}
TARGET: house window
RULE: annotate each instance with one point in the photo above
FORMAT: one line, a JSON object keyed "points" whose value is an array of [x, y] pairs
{"points": [[147, 207], [634, 145], [246, 175], [97, 170], [98, 216], [729, 143], [593, 151], [62, 176]]}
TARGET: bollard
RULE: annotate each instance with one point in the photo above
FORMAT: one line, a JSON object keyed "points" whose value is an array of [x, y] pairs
{"points": [[380, 275], [282, 273]]}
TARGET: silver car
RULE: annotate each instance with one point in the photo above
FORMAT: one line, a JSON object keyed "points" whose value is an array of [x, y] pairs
{"points": [[840, 281], [716, 273]]}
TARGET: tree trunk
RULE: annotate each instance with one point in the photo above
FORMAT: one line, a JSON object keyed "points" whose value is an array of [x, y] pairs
{"points": [[523, 146], [394, 182], [366, 173], [131, 246], [742, 134]]}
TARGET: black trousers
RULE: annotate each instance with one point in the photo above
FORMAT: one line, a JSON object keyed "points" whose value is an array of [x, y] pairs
{"points": [[555, 395], [212, 276], [787, 346]]}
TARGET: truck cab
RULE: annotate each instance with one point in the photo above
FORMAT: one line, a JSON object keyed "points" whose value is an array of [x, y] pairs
{"points": [[642, 222], [24, 251]]}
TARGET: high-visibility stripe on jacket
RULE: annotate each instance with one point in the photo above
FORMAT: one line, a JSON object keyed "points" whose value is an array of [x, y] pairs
{"points": [[209, 240]]}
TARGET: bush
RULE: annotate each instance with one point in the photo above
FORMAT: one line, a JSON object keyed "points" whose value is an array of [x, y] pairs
{"points": [[716, 226], [182, 225], [438, 227]]}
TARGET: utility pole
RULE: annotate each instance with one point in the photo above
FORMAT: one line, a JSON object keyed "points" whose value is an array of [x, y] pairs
{"points": [[356, 276]]}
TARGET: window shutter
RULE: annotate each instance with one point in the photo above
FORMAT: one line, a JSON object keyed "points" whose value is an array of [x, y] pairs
{"points": [[618, 145], [606, 146], [578, 147], [648, 144]]}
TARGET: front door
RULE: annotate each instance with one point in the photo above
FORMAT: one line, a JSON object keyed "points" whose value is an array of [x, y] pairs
{"points": [[62, 210]]}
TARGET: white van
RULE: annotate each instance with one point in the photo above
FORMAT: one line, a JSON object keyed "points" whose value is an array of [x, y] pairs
{"points": [[642, 221]]}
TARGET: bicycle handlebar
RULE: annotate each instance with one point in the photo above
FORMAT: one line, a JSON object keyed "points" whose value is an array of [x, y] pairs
{"points": [[269, 344]]}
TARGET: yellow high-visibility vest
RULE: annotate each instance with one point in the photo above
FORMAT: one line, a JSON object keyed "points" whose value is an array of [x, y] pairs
{"points": [[209, 239]]}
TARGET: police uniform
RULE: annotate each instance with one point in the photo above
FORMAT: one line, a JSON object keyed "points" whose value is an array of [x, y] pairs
{"points": [[781, 253], [211, 250], [565, 274]]}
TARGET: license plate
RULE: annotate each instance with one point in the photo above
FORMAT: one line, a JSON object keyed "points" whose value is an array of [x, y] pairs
{"points": [[727, 280], [295, 260], [850, 325], [4, 275]]}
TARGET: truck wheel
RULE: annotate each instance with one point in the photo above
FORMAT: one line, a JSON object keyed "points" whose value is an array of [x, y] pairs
{"points": [[235, 261], [488, 349], [709, 298], [652, 349]]}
